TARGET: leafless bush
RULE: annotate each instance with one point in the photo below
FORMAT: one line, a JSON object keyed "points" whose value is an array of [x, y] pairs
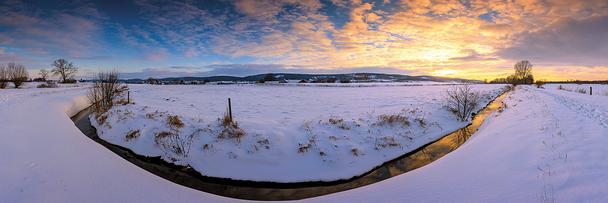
{"points": [[17, 74], [44, 74], [105, 90], [48, 84], [462, 100], [3, 77], [173, 143]]}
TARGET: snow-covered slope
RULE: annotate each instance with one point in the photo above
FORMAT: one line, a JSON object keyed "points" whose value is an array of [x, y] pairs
{"points": [[45, 158], [289, 134], [548, 145]]}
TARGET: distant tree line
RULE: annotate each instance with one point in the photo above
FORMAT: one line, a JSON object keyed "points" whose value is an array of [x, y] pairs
{"points": [[18, 74], [522, 75]]}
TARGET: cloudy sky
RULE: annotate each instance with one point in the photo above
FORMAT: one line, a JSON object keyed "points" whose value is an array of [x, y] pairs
{"points": [[467, 38]]}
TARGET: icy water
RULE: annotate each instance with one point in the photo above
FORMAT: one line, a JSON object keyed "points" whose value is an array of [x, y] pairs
{"points": [[291, 191]]}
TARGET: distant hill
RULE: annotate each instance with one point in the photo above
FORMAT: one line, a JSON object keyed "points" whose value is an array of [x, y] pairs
{"points": [[355, 77]]}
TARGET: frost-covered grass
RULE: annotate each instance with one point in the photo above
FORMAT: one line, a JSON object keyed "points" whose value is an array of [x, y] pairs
{"points": [[281, 133]]}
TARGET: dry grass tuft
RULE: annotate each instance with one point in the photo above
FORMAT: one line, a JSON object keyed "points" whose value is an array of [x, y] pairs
{"points": [[132, 135], [392, 120], [163, 134], [232, 131], [304, 147], [339, 122], [175, 122], [385, 142]]}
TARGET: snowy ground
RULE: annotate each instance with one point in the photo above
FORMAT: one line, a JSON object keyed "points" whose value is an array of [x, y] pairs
{"points": [[302, 133], [45, 158], [548, 145]]}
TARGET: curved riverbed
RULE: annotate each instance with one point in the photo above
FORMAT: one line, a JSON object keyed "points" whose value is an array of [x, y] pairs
{"points": [[290, 191]]}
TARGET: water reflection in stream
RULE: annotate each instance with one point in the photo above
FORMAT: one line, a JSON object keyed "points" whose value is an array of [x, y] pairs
{"points": [[290, 191]]}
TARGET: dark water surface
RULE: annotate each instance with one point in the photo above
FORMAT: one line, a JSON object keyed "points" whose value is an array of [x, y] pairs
{"points": [[290, 191]]}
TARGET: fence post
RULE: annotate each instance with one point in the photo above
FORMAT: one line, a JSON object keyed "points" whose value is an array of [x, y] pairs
{"points": [[230, 109], [128, 97], [590, 90]]}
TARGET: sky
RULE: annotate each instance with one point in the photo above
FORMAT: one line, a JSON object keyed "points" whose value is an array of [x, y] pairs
{"points": [[469, 39]]}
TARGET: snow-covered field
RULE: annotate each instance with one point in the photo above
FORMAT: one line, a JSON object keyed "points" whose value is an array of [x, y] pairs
{"points": [[289, 134], [548, 145], [598, 89]]}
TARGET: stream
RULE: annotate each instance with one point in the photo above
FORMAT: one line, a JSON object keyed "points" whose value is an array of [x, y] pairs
{"points": [[252, 190]]}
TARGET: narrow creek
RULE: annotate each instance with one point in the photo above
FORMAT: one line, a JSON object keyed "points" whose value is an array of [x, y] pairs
{"points": [[292, 191]]}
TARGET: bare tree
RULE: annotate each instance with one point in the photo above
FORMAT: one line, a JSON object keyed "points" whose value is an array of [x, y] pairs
{"points": [[44, 74], [462, 100], [17, 74], [3, 77], [523, 72], [64, 68], [104, 91]]}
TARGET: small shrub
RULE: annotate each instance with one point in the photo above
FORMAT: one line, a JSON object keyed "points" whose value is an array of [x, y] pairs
{"points": [[69, 81], [539, 83], [462, 100], [104, 91], [48, 84], [172, 142]]}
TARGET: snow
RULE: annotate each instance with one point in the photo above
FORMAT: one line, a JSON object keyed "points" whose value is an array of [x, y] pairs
{"points": [[303, 133], [45, 158], [548, 145]]}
